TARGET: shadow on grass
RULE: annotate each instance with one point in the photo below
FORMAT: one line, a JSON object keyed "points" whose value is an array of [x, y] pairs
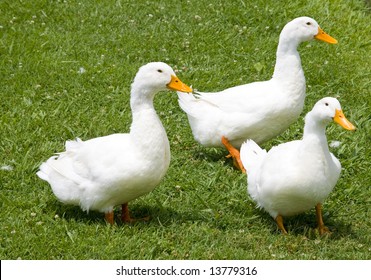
{"points": [[209, 154], [74, 213], [213, 155], [299, 225], [162, 216], [305, 225]]}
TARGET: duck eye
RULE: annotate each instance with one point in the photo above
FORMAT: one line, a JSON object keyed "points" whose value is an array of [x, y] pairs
{"points": [[326, 104], [159, 71], [309, 23]]}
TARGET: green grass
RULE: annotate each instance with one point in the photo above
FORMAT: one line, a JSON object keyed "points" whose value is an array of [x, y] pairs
{"points": [[201, 209]]}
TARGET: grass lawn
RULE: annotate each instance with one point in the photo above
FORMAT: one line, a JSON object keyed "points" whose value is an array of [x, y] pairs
{"points": [[65, 72]]}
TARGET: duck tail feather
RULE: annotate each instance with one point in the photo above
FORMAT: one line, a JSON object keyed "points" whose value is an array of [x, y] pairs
{"points": [[251, 154]]}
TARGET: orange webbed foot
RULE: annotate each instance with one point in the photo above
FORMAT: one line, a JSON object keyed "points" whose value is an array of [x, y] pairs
{"points": [[323, 230], [125, 215]]}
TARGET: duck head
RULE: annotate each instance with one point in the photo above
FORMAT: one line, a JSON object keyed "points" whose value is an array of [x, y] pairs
{"points": [[328, 109], [158, 76], [303, 29]]}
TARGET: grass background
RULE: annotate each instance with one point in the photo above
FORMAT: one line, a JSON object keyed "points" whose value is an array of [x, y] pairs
{"points": [[65, 72]]}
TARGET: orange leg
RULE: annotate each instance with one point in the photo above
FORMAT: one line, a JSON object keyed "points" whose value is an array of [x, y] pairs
{"points": [[320, 224], [125, 215], [234, 153], [109, 217], [279, 221]]}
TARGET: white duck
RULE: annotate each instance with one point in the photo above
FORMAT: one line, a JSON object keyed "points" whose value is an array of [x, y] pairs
{"points": [[298, 175], [103, 172], [259, 110]]}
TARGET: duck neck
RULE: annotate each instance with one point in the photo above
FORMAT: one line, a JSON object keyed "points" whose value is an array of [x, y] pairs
{"points": [[147, 132], [146, 125], [315, 134], [288, 63], [141, 98]]}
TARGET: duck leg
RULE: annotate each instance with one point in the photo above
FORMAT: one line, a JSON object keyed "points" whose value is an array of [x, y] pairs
{"points": [[109, 217], [320, 224], [279, 221], [125, 215], [233, 153]]}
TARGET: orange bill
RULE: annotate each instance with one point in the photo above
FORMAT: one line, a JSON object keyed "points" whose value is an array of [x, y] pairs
{"points": [[342, 120], [323, 36], [176, 84]]}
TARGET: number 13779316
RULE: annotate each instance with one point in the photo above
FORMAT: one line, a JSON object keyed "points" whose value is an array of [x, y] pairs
{"points": [[231, 270]]}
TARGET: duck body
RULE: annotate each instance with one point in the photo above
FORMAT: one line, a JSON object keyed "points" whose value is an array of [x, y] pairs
{"points": [[247, 111], [293, 177], [296, 176], [103, 172]]}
